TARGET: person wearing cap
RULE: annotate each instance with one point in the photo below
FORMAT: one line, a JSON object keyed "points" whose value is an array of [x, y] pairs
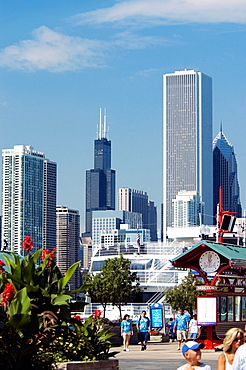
{"points": [[191, 350], [182, 326]]}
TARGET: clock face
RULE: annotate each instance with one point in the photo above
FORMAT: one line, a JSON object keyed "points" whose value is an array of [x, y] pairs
{"points": [[209, 261]]}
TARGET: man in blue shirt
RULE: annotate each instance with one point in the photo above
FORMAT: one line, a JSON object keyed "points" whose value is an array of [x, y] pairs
{"points": [[143, 328], [182, 326]]}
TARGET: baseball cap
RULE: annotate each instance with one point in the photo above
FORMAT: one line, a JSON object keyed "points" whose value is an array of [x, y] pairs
{"points": [[191, 345]]}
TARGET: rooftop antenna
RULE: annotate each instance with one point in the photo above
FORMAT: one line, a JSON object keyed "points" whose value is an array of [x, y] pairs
{"points": [[105, 124], [100, 124]]}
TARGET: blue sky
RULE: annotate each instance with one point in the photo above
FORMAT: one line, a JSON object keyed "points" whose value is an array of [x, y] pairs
{"points": [[60, 61]]}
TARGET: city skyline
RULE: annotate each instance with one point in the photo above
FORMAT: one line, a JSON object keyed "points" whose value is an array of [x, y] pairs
{"points": [[61, 62]]}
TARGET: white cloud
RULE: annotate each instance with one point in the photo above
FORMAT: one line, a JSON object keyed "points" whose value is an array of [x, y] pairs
{"points": [[128, 40], [56, 52], [53, 51], [167, 11]]}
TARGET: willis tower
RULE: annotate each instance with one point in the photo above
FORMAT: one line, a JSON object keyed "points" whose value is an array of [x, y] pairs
{"points": [[100, 181]]}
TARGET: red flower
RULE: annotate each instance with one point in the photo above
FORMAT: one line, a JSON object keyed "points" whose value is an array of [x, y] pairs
{"points": [[49, 255], [27, 243], [97, 314], [8, 294], [1, 266]]}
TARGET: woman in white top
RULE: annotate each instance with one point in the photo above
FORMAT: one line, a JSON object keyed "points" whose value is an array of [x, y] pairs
{"points": [[233, 340]]}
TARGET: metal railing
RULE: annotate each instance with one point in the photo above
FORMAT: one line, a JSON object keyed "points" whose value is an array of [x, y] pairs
{"points": [[132, 309]]}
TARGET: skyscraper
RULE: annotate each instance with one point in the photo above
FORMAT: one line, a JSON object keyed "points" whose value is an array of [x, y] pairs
{"points": [[186, 209], [67, 241], [100, 181], [152, 220], [137, 201], [225, 175], [26, 197], [50, 176], [134, 201], [187, 140]]}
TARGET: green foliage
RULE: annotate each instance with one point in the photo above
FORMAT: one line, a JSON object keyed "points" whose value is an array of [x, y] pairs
{"points": [[115, 283], [87, 342], [35, 315], [183, 295]]}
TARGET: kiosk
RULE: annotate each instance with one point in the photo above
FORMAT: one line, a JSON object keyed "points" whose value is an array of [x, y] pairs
{"points": [[219, 265]]}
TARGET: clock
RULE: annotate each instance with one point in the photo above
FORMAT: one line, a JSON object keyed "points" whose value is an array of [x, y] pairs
{"points": [[209, 261]]}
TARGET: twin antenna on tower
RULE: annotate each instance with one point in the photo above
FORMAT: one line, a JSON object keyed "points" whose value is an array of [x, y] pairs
{"points": [[102, 129]]}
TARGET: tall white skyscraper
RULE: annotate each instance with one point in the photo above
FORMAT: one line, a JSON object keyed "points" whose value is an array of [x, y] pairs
{"points": [[187, 140], [25, 197]]}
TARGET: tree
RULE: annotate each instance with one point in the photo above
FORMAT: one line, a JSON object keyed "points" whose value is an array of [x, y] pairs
{"points": [[97, 289], [115, 283], [183, 295]]}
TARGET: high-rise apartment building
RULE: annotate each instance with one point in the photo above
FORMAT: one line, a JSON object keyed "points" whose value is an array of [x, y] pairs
{"points": [[50, 176], [187, 136], [186, 209], [100, 181], [225, 175], [67, 241], [25, 197]]}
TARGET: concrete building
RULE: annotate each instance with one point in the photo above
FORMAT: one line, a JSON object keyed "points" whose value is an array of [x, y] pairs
{"points": [[225, 175], [26, 197], [67, 241], [100, 181], [187, 140]]}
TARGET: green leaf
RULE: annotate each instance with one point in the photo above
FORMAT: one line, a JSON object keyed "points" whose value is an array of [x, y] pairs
{"points": [[62, 283], [21, 303], [61, 299], [19, 322], [36, 255]]}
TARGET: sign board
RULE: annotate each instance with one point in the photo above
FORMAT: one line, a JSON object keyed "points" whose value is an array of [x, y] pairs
{"points": [[206, 287], [206, 311], [156, 316]]}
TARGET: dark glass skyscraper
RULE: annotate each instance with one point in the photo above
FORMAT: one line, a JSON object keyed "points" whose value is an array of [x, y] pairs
{"points": [[225, 175], [100, 181]]}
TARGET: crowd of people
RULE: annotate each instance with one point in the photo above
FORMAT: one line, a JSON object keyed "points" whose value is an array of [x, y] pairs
{"points": [[185, 331]]}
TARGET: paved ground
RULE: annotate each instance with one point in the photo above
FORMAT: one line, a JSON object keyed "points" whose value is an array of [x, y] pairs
{"points": [[160, 356]]}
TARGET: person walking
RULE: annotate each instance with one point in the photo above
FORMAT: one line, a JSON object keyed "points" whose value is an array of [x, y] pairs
{"points": [[126, 331], [181, 325], [233, 340], [171, 331], [193, 328], [143, 328]]}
